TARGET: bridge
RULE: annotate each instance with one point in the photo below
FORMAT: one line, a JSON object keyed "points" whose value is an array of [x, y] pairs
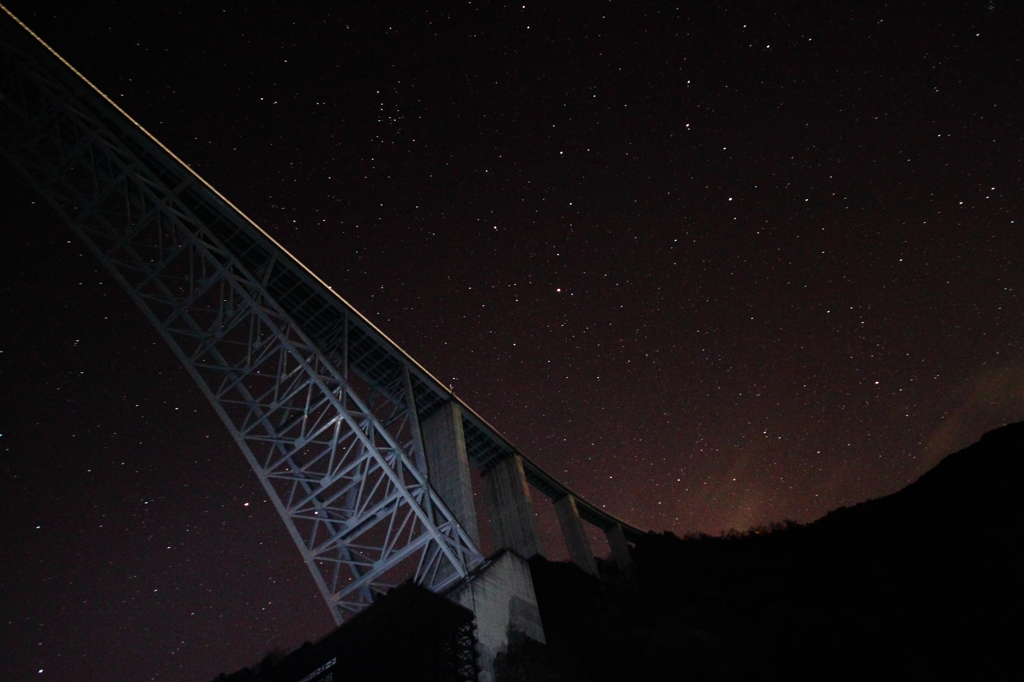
{"points": [[366, 456]]}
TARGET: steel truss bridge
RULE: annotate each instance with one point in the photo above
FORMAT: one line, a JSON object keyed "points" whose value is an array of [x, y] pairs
{"points": [[365, 455]]}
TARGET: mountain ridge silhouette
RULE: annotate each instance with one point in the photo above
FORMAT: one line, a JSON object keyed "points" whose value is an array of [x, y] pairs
{"points": [[922, 584], [981, 474]]}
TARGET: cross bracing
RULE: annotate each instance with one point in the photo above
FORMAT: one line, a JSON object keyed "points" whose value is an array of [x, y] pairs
{"points": [[324, 406]]}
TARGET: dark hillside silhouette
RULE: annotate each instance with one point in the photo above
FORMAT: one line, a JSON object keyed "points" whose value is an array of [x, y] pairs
{"points": [[924, 584]]}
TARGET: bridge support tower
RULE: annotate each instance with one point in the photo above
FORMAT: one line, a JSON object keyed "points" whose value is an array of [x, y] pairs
{"points": [[366, 456]]}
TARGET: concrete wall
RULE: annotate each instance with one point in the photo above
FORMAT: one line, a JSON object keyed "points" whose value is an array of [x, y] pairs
{"points": [[501, 595]]}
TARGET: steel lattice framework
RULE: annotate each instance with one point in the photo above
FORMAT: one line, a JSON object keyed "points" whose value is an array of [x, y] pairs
{"points": [[353, 495], [325, 407]]}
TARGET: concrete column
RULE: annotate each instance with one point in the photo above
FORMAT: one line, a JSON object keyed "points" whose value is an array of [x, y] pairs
{"points": [[575, 536], [513, 523], [620, 548], [448, 466]]}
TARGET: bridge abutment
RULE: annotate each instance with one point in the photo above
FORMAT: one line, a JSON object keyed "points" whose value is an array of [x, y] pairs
{"points": [[501, 596]]}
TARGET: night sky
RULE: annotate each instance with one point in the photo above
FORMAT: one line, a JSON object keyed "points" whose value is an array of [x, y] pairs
{"points": [[712, 267]]}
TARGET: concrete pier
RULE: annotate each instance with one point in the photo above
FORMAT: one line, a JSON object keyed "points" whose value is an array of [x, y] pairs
{"points": [[576, 540], [620, 548], [448, 467], [513, 523]]}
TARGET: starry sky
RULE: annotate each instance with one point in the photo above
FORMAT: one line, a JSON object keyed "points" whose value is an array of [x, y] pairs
{"points": [[712, 267]]}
